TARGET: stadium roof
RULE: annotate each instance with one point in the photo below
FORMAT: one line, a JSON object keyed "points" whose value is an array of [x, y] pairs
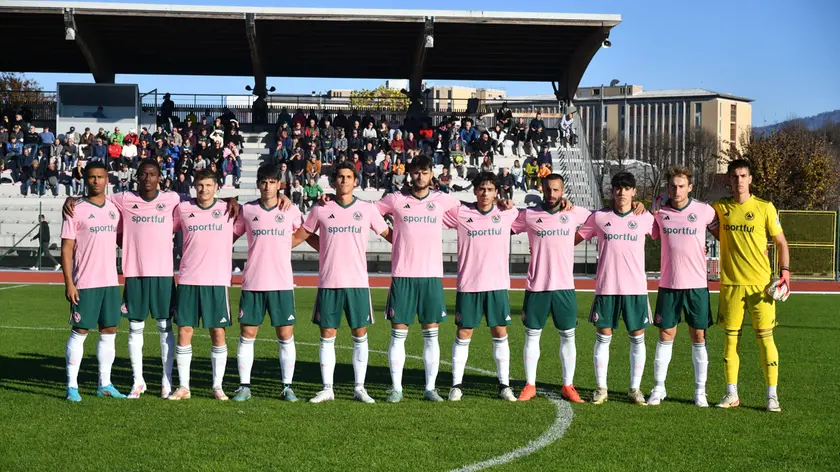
{"points": [[643, 95], [112, 38]]}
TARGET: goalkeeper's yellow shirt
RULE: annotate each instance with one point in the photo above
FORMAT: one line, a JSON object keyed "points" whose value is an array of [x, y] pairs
{"points": [[744, 229]]}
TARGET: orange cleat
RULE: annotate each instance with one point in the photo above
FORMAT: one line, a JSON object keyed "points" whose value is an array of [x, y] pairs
{"points": [[569, 394], [529, 392]]}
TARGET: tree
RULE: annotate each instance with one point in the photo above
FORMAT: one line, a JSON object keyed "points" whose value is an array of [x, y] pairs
{"points": [[658, 151], [702, 157], [381, 97], [16, 88]]}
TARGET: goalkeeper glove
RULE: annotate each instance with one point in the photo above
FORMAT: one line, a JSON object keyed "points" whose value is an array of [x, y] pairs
{"points": [[779, 289]]}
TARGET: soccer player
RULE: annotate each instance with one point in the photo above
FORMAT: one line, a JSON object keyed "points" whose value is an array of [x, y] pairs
{"points": [[620, 283], [681, 225], [89, 262], [267, 282], [203, 280], [483, 279], [744, 223], [343, 284], [417, 272], [549, 287]]}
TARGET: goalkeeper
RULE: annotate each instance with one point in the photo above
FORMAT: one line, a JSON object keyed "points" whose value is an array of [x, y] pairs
{"points": [[744, 222]]}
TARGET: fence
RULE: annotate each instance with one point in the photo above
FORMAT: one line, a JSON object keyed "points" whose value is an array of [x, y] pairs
{"points": [[812, 238]]}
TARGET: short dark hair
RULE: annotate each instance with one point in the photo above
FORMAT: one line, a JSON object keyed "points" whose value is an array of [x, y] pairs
{"points": [[421, 162], [739, 164], [623, 179], [344, 165], [147, 162], [98, 165], [485, 177], [204, 174], [553, 177], [268, 171]]}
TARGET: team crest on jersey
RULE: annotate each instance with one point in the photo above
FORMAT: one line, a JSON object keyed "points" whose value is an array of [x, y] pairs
{"points": [[430, 206], [112, 215], [496, 219], [124, 309], [389, 313], [279, 218], [564, 219], [692, 217], [217, 214], [457, 316], [241, 313], [658, 319], [594, 317], [749, 216], [160, 206], [632, 224], [357, 215], [77, 317]]}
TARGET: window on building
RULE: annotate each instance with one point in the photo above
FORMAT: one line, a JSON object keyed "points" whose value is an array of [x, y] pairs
{"points": [[437, 93], [596, 92], [733, 113], [698, 114], [449, 94]]}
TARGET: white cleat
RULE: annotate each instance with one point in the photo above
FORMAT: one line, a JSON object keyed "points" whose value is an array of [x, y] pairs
{"points": [[455, 394], [325, 395], [361, 395], [656, 396], [506, 393], [136, 391], [700, 400], [773, 404], [730, 400]]}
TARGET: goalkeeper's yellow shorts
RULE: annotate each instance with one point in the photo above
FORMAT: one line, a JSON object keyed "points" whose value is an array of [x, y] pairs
{"points": [[735, 300]]}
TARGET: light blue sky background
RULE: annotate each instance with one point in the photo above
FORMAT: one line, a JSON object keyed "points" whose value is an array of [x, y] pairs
{"points": [[785, 55]]}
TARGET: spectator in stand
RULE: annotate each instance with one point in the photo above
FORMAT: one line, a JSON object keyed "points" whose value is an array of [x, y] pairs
{"points": [[33, 179], [72, 134], [118, 134], [567, 130], [103, 135], [445, 181], [199, 162], [532, 168], [145, 136], [426, 133], [370, 151], [129, 153], [114, 154], [311, 193], [99, 151], [288, 143], [284, 118], [341, 144], [160, 134], [169, 167], [285, 178], [297, 131], [56, 151], [398, 147], [99, 113], [369, 134], [230, 167], [31, 141], [51, 179], [216, 153], [176, 138], [538, 139], [504, 117], [545, 170], [536, 123], [484, 148], [486, 165], [43, 237], [411, 150], [438, 148], [85, 142], [279, 154], [143, 152], [383, 137], [173, 151], [14, 156], [369, 174], [46, 139], [311, 133], [182, 184], [357, 162], [518, 175], [384, 172], [298, 119], [328, 138], [297, 194], [77, 178], [356, 143], [397, 177], [458, 160], [232, 151], [70, 154], [123, 178], [297, 165], [498, 136], [313, 150], [544, 156], [469, 136], [313, 168], [506, 184], [356, 127]]}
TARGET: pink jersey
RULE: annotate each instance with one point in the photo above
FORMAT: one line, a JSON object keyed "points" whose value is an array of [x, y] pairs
{"points": [[621, 251], [483, 247], [551, 237], [683, 234], [94, 228], [270, 234], [343, 234], [418, 232], [147, 233], [208, 244]]}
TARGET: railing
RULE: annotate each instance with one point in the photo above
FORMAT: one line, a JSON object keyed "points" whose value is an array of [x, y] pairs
{"points": [[33, 105]]}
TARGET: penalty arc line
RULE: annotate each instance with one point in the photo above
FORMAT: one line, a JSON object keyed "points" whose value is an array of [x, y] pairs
{"points": [[562, 420], [13, 286]]}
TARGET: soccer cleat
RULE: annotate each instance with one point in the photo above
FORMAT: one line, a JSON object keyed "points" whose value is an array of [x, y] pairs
{"points": [[506, 393], [432, 396], [700, 400], [636, 396], [165, 392], [219, 394], [455, 394], [730, 400], [361, 395], [136, 391], [288, 395], [656, 396], [109, 391], [773, 404], [183, 393], [58, 268], [325, 395], [73, 395], [599, 396], [241, 394], [394, 396], [527, 393], [570, 394]]}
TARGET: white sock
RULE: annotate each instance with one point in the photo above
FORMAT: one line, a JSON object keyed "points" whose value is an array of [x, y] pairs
{"points": [[396, 357], [460, 354], [732, 388], [531, 354], [568, 355], [135, 350], [167, 349], [183, 356], [218, 358], [360, 359], [327, 354], [602, 358], [501, 354], [245, 359], [288, 355], [661, 359], [73, 353], [701, 366], [106, 351], [771, 391], [431, 356], [638, 355]]}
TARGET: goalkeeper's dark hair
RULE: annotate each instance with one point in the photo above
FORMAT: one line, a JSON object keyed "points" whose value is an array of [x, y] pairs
{"points": [[95, 165], [268, 171], [739, 164], [485, 177], [623, 180]]}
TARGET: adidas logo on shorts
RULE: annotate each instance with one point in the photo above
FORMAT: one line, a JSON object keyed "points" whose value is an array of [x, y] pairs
{"points": [[291, 317]]}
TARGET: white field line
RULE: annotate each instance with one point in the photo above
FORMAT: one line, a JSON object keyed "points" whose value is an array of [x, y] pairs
{"points": [[13, 286]]}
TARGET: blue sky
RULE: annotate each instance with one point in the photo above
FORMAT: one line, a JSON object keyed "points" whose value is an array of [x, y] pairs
{"points": [[784, 55]]}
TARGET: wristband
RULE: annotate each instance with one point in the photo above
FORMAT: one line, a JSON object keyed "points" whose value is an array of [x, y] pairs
{"points": [[783, 268]]}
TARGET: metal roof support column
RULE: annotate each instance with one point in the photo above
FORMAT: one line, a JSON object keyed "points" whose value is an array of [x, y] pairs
{"points": [[256, 58], [567, 83], [102, 71], [415, 82]]}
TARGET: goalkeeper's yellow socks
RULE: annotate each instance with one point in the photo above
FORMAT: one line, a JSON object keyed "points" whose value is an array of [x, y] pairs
{"points": [[731, 360], [769, 357]]}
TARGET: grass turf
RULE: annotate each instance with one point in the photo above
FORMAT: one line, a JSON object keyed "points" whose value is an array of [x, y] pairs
{"points": [[39, 430]]}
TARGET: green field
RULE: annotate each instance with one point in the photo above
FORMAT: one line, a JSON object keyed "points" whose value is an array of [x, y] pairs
{"points": [[39, 430]]}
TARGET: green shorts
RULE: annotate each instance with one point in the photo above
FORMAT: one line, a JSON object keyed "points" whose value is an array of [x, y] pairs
{"points": [[470, 307], [607, 309], [354, 302], [144, 295], [208, 303], [280, 305], [562, 304], [421, 296], [97, 307], [670, 304]]}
